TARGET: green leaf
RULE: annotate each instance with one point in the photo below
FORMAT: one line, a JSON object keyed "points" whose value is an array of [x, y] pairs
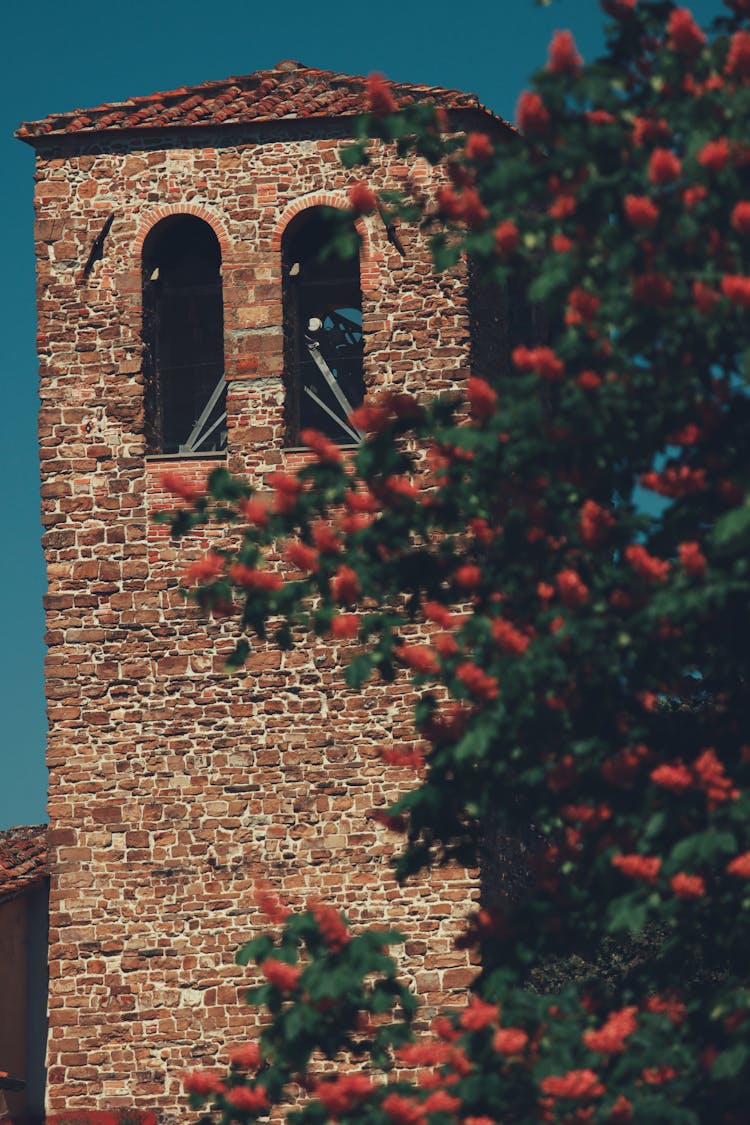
{"points": [[256, 950], [237, 658], [627, 914], [732, 531], [731, 1062], [353, 155], [358, 670], [703, 847]]}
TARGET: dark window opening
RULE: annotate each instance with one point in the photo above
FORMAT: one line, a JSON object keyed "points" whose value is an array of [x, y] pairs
{"points": [[501, 317], [322, 331], [183, 333]]}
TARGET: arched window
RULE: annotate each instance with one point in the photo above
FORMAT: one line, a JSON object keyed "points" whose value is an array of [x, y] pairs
{"points": [[322, 330], [183, 333]]}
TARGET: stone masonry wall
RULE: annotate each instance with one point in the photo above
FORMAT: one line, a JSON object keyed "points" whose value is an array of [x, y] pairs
{"points": [[174, 786]]}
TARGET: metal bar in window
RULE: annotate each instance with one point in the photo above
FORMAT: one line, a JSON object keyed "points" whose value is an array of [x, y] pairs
{"points": [[189, 445], [332, 414], [314, 350], [210, 430]]}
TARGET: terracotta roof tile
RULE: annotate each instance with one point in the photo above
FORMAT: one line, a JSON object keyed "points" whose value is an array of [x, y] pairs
{"points": [[289, 90], [23, 859]]}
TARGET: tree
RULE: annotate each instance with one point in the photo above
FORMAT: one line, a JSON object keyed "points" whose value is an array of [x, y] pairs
{"points": [[572, 531]]}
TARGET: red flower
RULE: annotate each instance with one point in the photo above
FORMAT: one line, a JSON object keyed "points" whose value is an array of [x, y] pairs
{"points": [[561, 244], [582, 306], [473, 211], [468, 577], [326, 450], [531, 113], [478, 1014], [481, 685], [478, 146], [255, 512], [362, 198], [449, 203], [325, 538], [344, 625], [333, 928], [246, 1099], [482, 398], [693, 195], [176, 484], [589, 380], [301, 556], [669, 1006], [640, 211], [713, 780], [677, 777], [736, 289], [280, 975], [342, 1095], [563, 55], [652, 289], [250, 579], [740, 866], [594, 522], [599, 117], [650, 130], [738, 56], [675, 482], [573, 592], [657, 1075], [692, 560], [380, 100], [645, 868], [581, 1084], [714, 155], [402, 1111], [509, 1041], [687, 886], [361, 502], [441, 1102], [646, 566], [400, 486], [246, 1057], [704, 297], [506, 238], [420, 658], [611, 1036], [621, 1112], [563, 205], [547, 365], [741, 218], [270, 904], [286, 490], [206, 569], [424, 1053], [202, 1083], [663, 167], [345, 585], [509, 639], [618, 9], [685, 36]]}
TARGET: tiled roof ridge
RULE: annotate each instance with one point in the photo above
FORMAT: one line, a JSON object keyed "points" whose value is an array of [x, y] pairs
{"points": [[23, 859], [287, 90]]}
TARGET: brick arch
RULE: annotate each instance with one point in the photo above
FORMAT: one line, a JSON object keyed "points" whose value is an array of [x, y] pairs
{"points": [[369, 258], [164, 210], [321, 199]]}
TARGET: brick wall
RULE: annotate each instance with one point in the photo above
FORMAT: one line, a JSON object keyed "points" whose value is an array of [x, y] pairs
{"points": [[174, 786]]}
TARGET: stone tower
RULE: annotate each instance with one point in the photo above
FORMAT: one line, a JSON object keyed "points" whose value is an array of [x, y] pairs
{"points": [[180, 302]]}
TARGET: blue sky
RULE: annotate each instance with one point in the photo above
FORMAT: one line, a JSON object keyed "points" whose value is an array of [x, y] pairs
{"points": [[62, 56]]}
